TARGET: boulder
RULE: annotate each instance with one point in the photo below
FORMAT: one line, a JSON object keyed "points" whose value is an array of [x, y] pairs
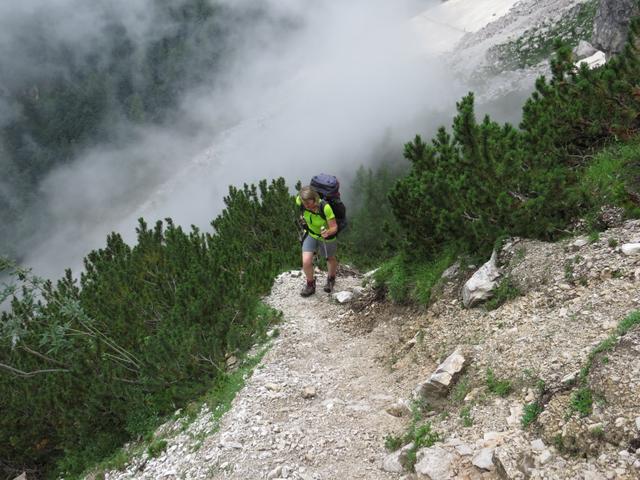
{"points": [[480, 286], [596, 60], [394, 462], [435, 463], [445, 375], [483, 459], [343, 297], [584, 49]]}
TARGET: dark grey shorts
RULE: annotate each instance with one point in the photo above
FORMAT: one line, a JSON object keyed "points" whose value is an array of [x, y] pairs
{"points": [[326, 249]]}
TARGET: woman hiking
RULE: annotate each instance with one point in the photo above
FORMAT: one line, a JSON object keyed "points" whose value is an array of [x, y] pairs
{"points": [[321, 229]]}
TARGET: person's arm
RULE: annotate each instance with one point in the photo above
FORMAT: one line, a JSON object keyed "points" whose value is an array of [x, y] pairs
{"points": [[332, 230]]}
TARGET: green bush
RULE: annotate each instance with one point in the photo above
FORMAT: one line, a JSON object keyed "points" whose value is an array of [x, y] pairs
{"points": [[392, 442], [465, 415], [156, 448], [613, 178]]}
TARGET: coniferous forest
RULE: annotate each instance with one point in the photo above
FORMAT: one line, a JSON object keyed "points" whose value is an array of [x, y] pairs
{"points": [[87, 364]]}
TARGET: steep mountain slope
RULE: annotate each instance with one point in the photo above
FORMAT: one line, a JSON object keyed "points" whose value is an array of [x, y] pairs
{"points": [[339, 380]]}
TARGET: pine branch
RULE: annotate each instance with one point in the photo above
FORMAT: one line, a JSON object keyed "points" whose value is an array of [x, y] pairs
{"points": [[42, 356], [21, 373]]}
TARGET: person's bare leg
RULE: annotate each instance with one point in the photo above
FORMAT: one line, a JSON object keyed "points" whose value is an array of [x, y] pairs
{"points": [[332, 262], [307, 265]]}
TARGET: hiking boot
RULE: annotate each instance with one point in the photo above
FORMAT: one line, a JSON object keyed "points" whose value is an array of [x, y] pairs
{"points": [[309, 289], [328, 287]]}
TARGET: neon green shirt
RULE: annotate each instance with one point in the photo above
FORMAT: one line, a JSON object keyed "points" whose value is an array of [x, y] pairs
{"points": [[315, 222]]}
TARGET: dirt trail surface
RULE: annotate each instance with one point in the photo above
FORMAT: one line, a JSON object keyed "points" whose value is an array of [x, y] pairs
{"points": [[314, 408], [338, 429]]}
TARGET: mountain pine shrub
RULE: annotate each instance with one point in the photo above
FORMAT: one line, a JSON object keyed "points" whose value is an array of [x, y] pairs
{"points": [[484, 180]]}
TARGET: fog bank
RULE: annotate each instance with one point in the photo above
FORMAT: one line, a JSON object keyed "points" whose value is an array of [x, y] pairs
{"points": [[313, 87]]}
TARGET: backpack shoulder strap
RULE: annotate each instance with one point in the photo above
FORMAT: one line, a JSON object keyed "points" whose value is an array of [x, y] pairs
{"points": [[321, 212]]}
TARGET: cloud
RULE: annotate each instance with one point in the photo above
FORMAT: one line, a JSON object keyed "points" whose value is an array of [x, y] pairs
{"points": [[309, 87], [35, 35]]}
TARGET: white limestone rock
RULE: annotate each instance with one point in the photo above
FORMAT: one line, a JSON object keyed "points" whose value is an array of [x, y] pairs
{"points": [[343, 297], [435, 462], [630, 249], [483, 459], [480, 286]]}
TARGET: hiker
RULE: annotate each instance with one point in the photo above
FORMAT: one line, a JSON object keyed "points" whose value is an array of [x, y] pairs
{"points": [[321, 229]]}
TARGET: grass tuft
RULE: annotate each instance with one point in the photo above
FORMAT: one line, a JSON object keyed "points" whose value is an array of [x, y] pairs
{"points": [[497, 386], [530, 413]]}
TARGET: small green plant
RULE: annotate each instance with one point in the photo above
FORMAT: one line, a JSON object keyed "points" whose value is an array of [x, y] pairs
{"points": [[156, 448], [424, 436], [406, 280], [594, 236], [461, 389], [582, 402], [568, 271], [597, 432], [421, 436], [392, 442], [465, 415], [505, 291], [612, 242], [530, 413], [419, 407], [558, 442], [521, 252], [496, 386], [628, 322]]}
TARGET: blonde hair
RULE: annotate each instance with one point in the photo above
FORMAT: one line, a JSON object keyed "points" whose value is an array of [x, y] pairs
{"points": [[308, 193]]}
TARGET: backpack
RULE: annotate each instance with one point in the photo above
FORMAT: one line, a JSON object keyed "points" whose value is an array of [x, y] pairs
{"points": [[328, 187]]}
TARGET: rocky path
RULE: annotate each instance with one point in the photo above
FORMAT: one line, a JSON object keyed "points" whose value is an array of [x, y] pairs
{"points": [[314, 408]]}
